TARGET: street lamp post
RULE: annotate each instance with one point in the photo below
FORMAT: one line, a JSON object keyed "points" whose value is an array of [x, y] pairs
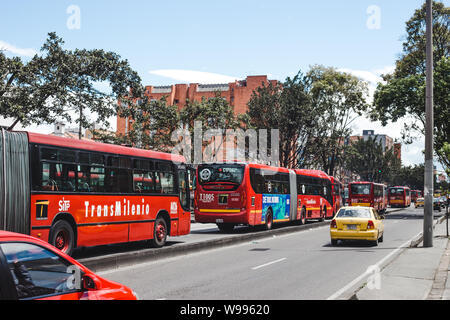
{"points": [[429, 125]]}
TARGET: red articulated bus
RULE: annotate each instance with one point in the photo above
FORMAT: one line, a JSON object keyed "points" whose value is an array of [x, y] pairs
{"points": [[368, 194], [75, 193], [415, 194], [315, 194], [399, 196], [231, 194]]}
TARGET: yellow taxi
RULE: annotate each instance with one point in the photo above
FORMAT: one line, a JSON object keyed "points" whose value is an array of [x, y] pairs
{"points": [[357, 223], [419, 202]]}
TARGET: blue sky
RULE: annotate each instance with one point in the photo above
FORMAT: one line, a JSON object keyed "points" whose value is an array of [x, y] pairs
{"points": [[230, 39]]}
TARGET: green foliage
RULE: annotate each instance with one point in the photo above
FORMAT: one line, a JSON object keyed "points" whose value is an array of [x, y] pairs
{"points": [[412, 176], [286, 107], [313, 113], [154, 122], [403, 93], [338, 98], [51, 85], [368, 159]]}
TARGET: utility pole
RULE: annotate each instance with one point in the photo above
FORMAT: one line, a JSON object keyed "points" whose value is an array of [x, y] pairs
{"points": [[429, 126]]}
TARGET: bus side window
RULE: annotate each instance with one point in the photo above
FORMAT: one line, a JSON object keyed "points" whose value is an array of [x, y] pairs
{"points": [[167, 182]]}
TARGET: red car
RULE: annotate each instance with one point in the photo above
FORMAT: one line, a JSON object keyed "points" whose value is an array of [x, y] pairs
{"points": [[31, 269]]}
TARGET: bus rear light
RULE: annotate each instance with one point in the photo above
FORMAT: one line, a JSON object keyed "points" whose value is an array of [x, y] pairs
{"points": [[253, 201]]}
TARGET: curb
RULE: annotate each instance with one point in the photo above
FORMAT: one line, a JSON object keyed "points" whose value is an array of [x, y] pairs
{"points": [[119, 260]]}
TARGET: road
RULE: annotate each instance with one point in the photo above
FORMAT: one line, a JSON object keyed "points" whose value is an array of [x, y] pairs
{"points": [[301, 265]]}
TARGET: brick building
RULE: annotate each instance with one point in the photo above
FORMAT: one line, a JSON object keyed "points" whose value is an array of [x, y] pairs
{"points": [[237, 94]]}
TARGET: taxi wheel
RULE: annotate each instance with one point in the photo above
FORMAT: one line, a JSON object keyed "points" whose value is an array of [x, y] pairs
{"points": [[381, 238], [375, 242], [334, 242]]}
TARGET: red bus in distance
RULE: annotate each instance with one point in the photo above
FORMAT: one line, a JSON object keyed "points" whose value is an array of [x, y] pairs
{"points": [[399, 196], [368, 194], [415, 194], [76, 193], [232, 193]]}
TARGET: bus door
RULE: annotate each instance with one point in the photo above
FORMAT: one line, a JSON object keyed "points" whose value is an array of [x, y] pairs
{"points": [[184, 213]]}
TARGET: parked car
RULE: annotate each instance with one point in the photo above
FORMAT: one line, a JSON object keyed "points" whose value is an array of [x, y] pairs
{"points": [[443, 201], [437, 204], [357, 223], [31, 269]]}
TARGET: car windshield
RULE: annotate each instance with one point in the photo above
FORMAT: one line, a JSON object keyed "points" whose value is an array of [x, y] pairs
{"points": [[360, 189], [220, 173], [354, 213]]}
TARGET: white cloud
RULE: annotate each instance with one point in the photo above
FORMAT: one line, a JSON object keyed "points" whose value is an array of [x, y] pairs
{"points": [[372, 77], [190, 76], [17, 51]]}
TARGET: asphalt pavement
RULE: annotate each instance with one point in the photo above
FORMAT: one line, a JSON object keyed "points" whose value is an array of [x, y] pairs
{"points": [[295, 265]]}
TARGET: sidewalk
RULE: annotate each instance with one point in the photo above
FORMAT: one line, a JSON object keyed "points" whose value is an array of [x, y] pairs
{"points": [[418, 273]]}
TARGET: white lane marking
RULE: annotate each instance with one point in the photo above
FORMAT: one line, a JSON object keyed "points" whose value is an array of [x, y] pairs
{"points": [[370, 268], [268, 263], [202, 252]]}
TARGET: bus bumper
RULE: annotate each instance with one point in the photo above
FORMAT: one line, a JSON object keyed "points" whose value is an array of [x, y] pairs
{"points": [[221, 216]]}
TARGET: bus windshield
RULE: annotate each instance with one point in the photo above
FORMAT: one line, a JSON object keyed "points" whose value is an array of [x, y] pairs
{"points": [[361, 189], [396, 191], [219, 173]]}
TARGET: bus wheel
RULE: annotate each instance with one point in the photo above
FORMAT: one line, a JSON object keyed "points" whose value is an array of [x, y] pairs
{"points": [[269, 220], [303, 216], [159, 233], [62, 237], [323, 215]]}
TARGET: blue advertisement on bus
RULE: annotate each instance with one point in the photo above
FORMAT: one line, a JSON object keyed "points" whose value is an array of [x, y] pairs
{"points": [[280, 206]]}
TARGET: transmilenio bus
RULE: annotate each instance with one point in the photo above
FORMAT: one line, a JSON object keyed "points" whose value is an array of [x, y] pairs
{"points": [[399, 196], [368, 194], [75, 193], [230, 194]]}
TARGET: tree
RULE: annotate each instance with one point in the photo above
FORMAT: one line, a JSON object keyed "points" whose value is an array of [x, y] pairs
{"points": [[402, 94], [154, 123], [412, 176], [286, 107], [340, 98], [368, 159], [51, 86]]}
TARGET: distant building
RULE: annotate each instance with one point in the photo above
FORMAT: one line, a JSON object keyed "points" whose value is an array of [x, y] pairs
{"points": [[386, 142], [237, 94]]}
